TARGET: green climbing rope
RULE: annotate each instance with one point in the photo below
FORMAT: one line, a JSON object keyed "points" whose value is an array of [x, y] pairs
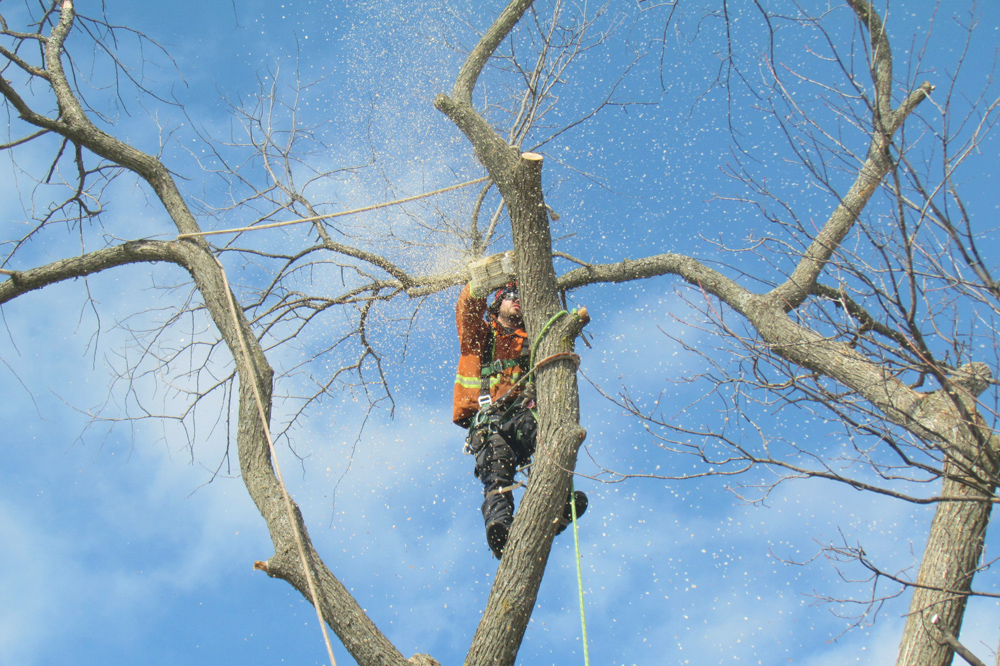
{"points": [[572, 504], [579, 577], [541, 334]]}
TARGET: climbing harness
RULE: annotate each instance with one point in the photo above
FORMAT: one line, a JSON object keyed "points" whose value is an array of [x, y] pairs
{"points": [[498, 366], [487, 417]]}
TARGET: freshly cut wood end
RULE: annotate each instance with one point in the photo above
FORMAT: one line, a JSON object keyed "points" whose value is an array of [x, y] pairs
{"points": [[423, 660]]}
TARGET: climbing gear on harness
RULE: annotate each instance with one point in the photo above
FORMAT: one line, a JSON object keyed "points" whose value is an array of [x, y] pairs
{"points": [[498, 366]]}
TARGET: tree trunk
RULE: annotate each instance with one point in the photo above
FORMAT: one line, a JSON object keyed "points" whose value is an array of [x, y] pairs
{"points": [[950, 559], [958, 530]]}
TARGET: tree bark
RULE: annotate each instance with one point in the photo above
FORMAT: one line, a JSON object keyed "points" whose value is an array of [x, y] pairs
{"points": [[341, 611], [519, 179], [958, 530], [947, 419], [512, 598]]}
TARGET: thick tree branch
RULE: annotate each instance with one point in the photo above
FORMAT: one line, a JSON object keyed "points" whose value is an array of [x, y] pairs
{"points": [[365, 642], [467, 77], [877, 164], [22, 282]]}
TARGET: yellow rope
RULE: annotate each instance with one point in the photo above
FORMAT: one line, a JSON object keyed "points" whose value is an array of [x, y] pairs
{"points": [[572, 493], [342, 213], [579, 575], [256, 389], [277, 468]]}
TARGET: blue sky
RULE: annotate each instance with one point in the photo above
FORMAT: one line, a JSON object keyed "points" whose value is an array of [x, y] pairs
{"points": [[126, 542]]}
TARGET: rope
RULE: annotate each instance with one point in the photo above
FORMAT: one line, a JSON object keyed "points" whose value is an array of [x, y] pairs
{"points": [[572, 502], [531, 361], [342, 213], [541, 334], [277, 468], [579, 575]]}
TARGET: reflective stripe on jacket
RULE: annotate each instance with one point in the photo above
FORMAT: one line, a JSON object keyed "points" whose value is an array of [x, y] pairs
{"points": [[473, 337]]}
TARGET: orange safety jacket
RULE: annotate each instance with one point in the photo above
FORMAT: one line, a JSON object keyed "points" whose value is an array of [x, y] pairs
{"points": [[479, 339]]}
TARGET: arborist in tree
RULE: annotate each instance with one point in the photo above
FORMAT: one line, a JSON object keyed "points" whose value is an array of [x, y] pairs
{"points": [[494, 403]]}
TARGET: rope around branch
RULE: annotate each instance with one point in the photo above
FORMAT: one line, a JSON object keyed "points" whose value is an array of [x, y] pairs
{"points": [[576, 533], [342, 213]]}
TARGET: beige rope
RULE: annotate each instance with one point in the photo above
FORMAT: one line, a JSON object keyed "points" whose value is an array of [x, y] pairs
{"points": [[342, 213], [277, 468], [256, 389]]}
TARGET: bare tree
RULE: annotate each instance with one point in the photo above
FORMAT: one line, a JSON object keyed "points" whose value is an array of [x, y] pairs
{"points": [[861, 347], [843, 328], [45, 99], [879, 323]]}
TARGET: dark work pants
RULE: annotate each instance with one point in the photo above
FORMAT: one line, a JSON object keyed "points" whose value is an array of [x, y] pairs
{"points": [[500, 448]]}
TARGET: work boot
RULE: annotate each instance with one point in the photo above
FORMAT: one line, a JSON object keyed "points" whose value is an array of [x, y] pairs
{"points": [[496, 537], [579, 500], [498, 514]]}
